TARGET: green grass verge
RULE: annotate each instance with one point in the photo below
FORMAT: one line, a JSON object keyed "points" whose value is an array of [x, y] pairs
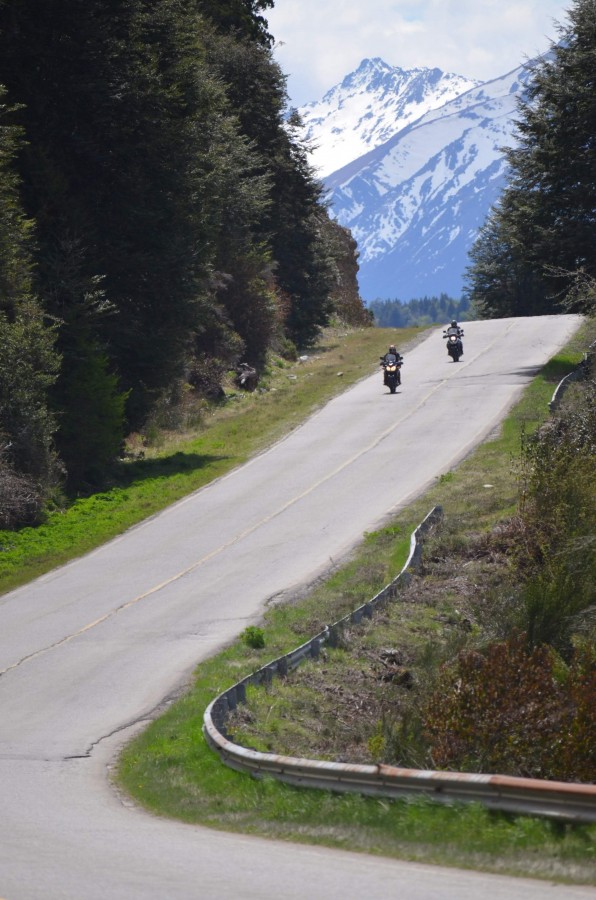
{"points": [[170, 770], [226, 436]]}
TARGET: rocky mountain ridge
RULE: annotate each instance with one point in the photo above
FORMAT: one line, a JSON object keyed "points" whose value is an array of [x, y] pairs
{"points": [[371, 105], [415, 199]]}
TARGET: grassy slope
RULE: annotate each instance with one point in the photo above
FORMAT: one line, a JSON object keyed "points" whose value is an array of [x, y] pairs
{"points": [[171, 771], [184, 462], [168, 768]]}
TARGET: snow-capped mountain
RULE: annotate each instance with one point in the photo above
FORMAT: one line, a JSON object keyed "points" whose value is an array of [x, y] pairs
{"points": [[415, 202], [371, 105]]}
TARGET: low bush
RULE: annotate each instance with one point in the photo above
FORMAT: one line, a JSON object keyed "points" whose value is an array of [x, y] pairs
{"points": [[254, 637], [516, 710]]}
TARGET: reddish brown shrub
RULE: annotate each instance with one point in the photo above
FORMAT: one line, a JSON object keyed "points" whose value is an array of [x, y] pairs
{"points": [[577, 761], [507, 710]]}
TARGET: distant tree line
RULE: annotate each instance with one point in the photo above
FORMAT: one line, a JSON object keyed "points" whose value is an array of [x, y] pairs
{"points": [[536, 253], [159, 222], [422, 311]]}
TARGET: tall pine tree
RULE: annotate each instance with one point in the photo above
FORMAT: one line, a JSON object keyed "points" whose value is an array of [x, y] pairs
{"points": [[542, 236], [293, 223], [28, 362], [120, 116]]}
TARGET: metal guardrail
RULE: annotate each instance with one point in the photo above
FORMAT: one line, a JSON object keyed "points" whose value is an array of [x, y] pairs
{"points": [[562, 800], [578, 372], [568, 802]]}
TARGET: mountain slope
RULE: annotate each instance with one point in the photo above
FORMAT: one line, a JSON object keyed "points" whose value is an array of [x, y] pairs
{"points": [[415, 203], [371, 105]]}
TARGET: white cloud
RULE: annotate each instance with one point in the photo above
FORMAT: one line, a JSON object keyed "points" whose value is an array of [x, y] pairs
{"points": [[321, 41]]}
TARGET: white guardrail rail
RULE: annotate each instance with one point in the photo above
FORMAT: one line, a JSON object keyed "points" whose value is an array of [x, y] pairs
{"points": [[579, 372], [562, 800]]}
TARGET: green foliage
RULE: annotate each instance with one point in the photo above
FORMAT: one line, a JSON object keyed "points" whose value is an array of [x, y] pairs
{"points": [[528, 706], [241, 17], [288, 350], [376, 744], [27, 370], [28, 361], [540, 238], [179, 227], [92, 431], [111, 174], [298, 252], [558, 503], [254, 637], [501, 282], [305, 258], [422, 311]]}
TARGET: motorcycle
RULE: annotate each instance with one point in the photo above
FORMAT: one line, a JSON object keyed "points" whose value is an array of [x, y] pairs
{"points": [[391, 371], [455, 347]]}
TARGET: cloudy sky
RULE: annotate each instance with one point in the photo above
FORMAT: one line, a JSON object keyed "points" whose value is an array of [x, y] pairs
{"points": [[321, 41]]}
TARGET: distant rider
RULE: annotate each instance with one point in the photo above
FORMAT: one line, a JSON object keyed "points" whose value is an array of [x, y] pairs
{"points": [[455, 329], [392, 356]]}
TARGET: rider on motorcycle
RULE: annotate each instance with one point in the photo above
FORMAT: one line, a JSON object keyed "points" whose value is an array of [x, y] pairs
{"points": [[392, 356], [392, 352], [454, 327]]}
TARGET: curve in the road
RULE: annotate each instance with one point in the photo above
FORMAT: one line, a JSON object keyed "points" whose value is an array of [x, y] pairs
{"points": [[82, 657]]}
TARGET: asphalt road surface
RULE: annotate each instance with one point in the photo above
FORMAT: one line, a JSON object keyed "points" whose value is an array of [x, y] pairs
{"points": [[90, 651]]}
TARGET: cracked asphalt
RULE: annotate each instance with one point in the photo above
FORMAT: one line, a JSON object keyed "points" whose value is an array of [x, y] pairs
{"points": [[89, 652]]}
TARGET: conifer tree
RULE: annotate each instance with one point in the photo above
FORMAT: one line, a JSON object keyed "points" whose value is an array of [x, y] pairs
{"points": [[292, 225], [119, 114], [504, 282], [28, 362], [177, 218], [542, 236], [240, 18]]}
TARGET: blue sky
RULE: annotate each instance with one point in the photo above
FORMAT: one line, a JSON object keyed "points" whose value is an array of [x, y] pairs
{"points": [[318, 42]]}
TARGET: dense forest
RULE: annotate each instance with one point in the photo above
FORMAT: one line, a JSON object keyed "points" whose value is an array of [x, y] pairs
{"points": [[159, 223], [536, 253], [421, 311]]}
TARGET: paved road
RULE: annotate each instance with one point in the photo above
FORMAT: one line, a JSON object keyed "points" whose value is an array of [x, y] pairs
{"points": [[89, 651]]}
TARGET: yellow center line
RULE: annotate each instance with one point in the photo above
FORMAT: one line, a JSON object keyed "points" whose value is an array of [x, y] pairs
{"points": [[248, 531]]}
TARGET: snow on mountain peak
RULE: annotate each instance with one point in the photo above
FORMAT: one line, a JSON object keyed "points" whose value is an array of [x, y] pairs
{"points": [[415, 202], [369, 106]]}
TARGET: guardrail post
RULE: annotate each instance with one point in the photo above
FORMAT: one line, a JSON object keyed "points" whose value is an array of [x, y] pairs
{"points": [[241, 692], [282, 667], [333, 639]]}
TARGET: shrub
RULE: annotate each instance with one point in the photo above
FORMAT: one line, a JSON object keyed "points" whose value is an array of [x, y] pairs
{"points": [[253, 637], [557, 508], [21, 501], [516, 710], [577, 760]]}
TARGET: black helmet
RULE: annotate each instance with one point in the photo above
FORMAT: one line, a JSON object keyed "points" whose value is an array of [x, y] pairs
{"points": [[454, 324], [392, 348]]}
